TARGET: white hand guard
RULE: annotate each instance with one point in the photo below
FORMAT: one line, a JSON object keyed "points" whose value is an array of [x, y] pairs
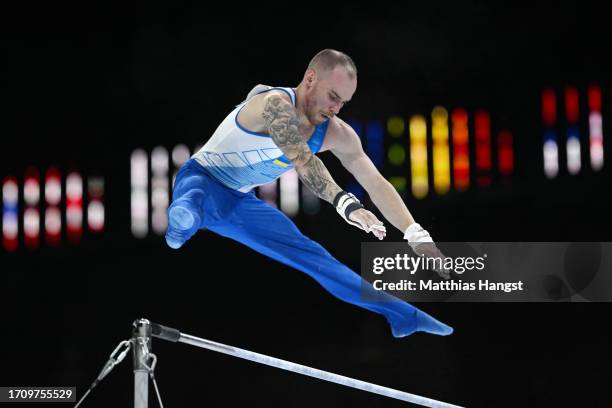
{"points": [[415, 235], [345, 204]]}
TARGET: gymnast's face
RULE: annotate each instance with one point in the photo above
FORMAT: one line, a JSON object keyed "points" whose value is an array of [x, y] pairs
{"points": [[327, 92]]}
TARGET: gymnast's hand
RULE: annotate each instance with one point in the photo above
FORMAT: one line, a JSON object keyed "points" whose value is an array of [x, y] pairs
{"points": [[422, 244], [352, 211], [368, 222]]}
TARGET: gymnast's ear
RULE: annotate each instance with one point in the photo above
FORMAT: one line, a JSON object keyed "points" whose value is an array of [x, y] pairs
{"points": [[310, 77]]}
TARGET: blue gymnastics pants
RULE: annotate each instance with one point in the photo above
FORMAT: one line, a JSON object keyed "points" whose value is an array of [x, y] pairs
{"points": [[199, 201]]}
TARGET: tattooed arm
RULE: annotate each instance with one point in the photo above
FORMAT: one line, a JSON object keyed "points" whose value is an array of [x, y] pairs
{"points": [[282, 122]]}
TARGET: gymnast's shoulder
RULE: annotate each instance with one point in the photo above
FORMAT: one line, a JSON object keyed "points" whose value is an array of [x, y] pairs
{"points": [[340, 136]]}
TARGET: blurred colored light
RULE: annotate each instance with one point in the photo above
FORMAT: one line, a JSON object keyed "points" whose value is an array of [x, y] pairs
{"points": [[374, 137], [95, 208], [596, 141], [31, 187], [53, 225], [418, 155], [482, 137], [53, 186], [10, 226], [355, 188], [461, 157], [95, 216], [139, 170], [596, 151], [290, 193], [396, 126], [10, 207], [180, 154], [573, 150], [549, 107], [551, 157], [505, 152], [267, 192], [31, 214], [397, 154], [440, 150], [571, 104], [31, 224], [594, 98], [160, 191], [399, 183], [31, 227], [74, 187], [74, 206]]}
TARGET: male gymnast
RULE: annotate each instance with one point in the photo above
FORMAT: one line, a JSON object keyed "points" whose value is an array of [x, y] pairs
{"points": [[277, 129]]}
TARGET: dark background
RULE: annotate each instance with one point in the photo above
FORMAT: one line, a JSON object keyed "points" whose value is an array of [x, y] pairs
{"points": [[83, 87]]}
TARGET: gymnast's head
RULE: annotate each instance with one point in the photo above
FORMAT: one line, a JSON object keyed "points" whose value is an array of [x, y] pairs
{"points": [[329, 82]]}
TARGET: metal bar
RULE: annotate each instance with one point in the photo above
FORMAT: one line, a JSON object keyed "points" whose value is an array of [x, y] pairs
{"points": [[311, 372]]}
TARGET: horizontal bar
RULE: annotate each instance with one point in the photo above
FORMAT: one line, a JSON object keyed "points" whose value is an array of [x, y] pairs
{"points": [[309, 371]]}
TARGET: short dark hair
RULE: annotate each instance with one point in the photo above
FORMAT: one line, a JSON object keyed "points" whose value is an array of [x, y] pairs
{"points": [[328, 59]]}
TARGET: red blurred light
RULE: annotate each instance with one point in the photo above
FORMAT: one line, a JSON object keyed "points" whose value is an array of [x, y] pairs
{"points": [[74, 206], [571, 104], [549, 107], [505, 152], [594, 97], [482, 127]]}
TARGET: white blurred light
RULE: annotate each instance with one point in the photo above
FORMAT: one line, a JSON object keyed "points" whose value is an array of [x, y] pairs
{"points": [[596, 141], [31, 191], [139, 170], [53, 191], [53, 221], [267, 192], [573, 155], [180, 154], [551, 159], [31, 222], [74, 187], [95, 208], [139, 204], [10, 193], [160, 221], [74, 216], [139, 196], [159, 190], [159, 160], [289, 193], [95, 215], [159, 196]]}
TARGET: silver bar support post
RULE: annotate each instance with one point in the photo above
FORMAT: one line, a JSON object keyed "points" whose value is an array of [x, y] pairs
{"points": [[141, 339]]}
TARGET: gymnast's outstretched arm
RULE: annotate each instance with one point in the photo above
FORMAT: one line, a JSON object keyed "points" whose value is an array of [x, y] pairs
{"points": [[346, 145]]}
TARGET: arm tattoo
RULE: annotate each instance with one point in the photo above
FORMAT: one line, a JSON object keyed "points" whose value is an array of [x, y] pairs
{"points": [[283, 125], [319, 181]]}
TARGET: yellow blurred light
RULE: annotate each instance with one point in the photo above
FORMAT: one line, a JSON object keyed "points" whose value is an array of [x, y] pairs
{"points": [[440, 150], [418, 155]]}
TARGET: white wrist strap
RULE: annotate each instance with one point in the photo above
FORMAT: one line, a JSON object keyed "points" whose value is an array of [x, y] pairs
{"points": [[415, 235]]}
